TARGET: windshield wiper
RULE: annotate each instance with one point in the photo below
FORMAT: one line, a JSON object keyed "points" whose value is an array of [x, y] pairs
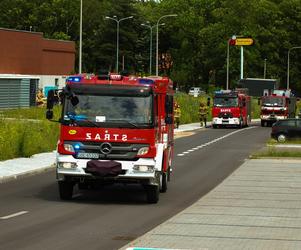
{"points": [[126, 121]]}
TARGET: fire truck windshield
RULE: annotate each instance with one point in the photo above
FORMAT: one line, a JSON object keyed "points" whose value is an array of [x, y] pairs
{"points": [[273, 101], [110, 111], [225, 102]]}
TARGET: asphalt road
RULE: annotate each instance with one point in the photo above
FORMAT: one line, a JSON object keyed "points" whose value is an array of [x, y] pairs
{"points": [[111, 217]]}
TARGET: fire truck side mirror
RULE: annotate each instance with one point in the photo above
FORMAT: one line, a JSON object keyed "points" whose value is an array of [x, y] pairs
{"points": [[50, 99]]}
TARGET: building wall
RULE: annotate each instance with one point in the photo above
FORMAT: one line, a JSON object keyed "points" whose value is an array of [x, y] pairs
{"points": [[24, 52]]}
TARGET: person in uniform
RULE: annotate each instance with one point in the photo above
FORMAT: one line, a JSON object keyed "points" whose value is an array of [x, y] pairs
{"points": [[203, 112], [40, 99], [177, 114]]}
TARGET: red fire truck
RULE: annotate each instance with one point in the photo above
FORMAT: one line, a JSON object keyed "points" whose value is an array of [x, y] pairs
{"points": [[231, 108], [115, 129], [277, 105]]}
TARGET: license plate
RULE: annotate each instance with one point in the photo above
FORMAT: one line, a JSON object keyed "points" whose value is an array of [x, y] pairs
{"points": [[88, 155], [225, 121]]}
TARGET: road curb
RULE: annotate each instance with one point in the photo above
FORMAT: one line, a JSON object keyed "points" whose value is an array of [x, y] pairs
{"points": [[9, 178]]}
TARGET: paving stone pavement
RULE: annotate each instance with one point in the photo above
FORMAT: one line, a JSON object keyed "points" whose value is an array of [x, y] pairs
{"points": [[257, 207]]}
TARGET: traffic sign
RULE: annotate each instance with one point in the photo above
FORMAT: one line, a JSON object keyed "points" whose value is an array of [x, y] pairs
{"points": [[243, 41]]}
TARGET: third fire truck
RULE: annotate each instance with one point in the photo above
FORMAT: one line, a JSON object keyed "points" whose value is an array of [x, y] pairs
{"points": [[231, 108], [277, 105]]}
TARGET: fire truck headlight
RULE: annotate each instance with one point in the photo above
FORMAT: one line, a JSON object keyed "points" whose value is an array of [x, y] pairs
{"points": [[143, 151], [67, 165], [143, 168], [69, 147]]}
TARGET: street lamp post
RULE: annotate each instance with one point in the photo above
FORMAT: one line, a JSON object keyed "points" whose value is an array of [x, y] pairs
{"points": [[80, 37], [151, 43], [228, 59], [228, 52], [114, 18], [288, 66], [264, 68], [157, 41]]}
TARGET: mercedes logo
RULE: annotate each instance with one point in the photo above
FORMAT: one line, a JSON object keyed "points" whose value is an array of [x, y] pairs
{"points": [[106, 148]]}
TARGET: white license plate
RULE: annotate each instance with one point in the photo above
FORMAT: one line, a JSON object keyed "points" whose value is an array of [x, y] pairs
{"points": [[88, 155]]}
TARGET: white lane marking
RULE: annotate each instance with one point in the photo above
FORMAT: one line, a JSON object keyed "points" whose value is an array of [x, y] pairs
{"points": [[13, 215], [211, 142]]}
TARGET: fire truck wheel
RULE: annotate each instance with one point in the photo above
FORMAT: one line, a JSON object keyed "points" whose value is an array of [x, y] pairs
{"points": [[152, 192], [262, 123], [214, 126], [281, 138], [240, 125], [163, 182], [65, 190]]}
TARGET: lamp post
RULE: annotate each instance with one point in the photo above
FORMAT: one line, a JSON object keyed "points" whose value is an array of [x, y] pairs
{"points": [[264, 68], [157, 41], [115, 18], [151, 43], [288, 66], [80, 37], [228, 59]]}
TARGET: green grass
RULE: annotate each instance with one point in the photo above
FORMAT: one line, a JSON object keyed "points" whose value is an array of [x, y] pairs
{"points": [[276, 154], [23, 138]]}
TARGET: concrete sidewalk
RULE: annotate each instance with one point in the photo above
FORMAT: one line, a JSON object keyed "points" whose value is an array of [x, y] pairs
{"points": [[257, 207]]}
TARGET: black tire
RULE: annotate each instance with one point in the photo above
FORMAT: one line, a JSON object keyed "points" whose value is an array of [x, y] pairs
{"points": [[281, 138], [214, 126], [262, 123], [163, 182], [65, 190], [152, 192]]}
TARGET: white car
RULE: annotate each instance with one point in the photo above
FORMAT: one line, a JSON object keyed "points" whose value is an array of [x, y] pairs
{"points": [[196, 91]]}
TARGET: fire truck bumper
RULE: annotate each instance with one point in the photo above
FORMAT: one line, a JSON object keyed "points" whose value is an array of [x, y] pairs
{"points": [[225, 121], [272, 118], [144, 169]]}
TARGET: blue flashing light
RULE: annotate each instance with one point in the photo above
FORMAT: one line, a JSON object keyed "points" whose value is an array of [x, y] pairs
{"points": [[76, 146], [74, 79], [146, 81]]}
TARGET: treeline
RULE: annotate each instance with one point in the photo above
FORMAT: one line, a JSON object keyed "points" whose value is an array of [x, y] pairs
{"points": [[192, 46]]}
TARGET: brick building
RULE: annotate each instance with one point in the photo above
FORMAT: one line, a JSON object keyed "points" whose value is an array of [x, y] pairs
{"points": [[29, 61]]}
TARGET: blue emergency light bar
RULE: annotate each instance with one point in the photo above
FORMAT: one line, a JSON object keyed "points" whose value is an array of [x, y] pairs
{"points": [[146, 81], [74, 79]]}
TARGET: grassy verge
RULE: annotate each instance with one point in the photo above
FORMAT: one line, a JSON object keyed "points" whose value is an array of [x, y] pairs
{"points": [[23, 138], [272, 151]]}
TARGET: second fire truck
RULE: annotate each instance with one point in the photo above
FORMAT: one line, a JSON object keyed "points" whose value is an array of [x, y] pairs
{"points": [[231, 108]]}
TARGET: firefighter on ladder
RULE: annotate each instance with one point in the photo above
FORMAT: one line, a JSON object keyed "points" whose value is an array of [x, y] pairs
{"points": [[177, 114], [203, 112]]}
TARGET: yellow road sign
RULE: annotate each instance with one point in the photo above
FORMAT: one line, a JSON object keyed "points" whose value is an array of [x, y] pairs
{"points": [[244, 41]]}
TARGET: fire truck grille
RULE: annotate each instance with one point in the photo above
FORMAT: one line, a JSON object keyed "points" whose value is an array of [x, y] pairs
{"points": [[110, 151], [274, 112], [225, 115]]}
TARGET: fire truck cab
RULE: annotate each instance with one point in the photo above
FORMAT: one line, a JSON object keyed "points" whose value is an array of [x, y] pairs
{"points": [[231, 108], [120, 125]]}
